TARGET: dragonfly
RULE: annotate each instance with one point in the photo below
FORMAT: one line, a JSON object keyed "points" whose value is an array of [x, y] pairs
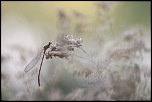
{"points": [[35, 60], [58, 48]]}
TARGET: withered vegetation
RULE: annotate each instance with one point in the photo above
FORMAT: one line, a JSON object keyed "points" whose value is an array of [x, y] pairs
{"points": [[84, 64]]}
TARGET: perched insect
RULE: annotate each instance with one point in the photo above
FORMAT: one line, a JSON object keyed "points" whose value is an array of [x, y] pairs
{"points": [[36, 59], [62, 49]]}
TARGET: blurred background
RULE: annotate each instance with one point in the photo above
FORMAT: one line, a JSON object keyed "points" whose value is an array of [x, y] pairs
{"points": [[28, 26]]}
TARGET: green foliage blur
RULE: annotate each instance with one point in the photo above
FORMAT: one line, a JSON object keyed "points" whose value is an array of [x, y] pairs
{"points": [[124, 14]]}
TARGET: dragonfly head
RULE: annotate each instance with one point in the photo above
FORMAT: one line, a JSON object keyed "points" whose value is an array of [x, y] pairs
{"points": [[47, 46], [50, 42]]}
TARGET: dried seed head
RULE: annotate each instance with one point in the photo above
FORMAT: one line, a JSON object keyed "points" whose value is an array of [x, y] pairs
{"points": [[79, 40], [63, 48]]}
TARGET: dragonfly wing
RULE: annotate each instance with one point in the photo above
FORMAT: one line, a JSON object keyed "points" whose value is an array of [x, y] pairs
{"points": [[33, 62], [83, 58]]}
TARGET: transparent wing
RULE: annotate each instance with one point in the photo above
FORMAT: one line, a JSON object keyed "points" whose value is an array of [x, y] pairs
{"points": [[83, 58], [33, 62]]}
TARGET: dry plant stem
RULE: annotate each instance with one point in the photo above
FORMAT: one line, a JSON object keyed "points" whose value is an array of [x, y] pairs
{"points": [[111, 30], [111, 26], [27, 85], [84, 51]]}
